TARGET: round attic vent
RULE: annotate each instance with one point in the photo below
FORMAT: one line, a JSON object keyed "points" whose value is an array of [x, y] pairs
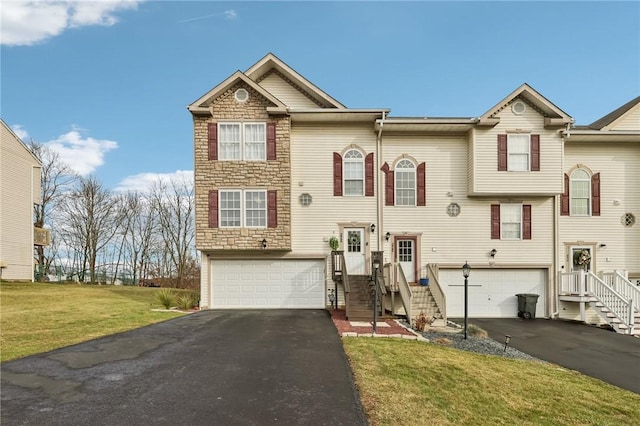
{"points": [[241, 95], [518, 107]]}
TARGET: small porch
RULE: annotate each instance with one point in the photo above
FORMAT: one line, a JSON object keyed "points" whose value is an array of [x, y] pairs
{"points": [[610, 294]]}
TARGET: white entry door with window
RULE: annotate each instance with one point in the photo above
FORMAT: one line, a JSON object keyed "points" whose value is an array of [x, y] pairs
{"points": [[354, 250], [580, 258], [406, 250]]}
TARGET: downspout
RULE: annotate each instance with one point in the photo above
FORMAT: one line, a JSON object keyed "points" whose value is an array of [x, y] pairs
{"points": [[379, 215], [556, 230]]}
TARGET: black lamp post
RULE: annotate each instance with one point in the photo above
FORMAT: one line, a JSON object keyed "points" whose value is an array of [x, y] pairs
{"points": [[376, 265], [465, 272]]}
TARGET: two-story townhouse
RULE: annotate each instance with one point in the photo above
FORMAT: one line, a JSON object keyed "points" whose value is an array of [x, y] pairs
{"points": [[281, 168], [19, 191], [598, 212]]}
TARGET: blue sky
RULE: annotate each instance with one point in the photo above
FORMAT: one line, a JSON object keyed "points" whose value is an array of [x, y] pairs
{"points": [[106, 83]]}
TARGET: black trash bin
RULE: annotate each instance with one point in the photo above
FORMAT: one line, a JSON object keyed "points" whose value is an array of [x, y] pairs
{"points": [[527, 305]]}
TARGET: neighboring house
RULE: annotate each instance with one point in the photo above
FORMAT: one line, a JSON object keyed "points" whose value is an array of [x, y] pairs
{"points": [[19, 191], [281, 167]]}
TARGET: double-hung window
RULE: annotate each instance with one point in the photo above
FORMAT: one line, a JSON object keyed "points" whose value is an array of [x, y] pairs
{"points": [[518, 152], [230, 209], [353, 173], [243, 208], [580, 193], [510, 221], [255, 209], [242, 141], [405, 176], [518, 148]]}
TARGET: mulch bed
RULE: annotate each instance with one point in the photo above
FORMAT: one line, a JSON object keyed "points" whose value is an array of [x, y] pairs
{"points": [[341, 323]]}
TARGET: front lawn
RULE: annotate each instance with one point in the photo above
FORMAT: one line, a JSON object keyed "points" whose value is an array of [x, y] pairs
{"points": [[405, 382], [37, 317]]}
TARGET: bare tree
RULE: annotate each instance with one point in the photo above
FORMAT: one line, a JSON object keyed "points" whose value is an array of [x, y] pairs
{"points": [[174, 204], [55, 179], [138, 233], [91, 218]]}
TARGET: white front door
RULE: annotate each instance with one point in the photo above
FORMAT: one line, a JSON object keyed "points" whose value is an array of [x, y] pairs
{"points": [[407, 258], [580, 258], [354, 250]]}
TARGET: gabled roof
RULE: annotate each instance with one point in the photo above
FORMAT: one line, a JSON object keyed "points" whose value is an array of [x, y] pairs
{"points": [[553, 114], [613, 116], [271, 61], [202, 104], [15, 137]]}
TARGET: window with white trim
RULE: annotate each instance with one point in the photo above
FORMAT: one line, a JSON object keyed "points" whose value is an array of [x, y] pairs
{"points": [[511, 221], [230, 209], [353, 166], [580, 193], [242, 141], [519, 150], [405, 183], [243, 208]]}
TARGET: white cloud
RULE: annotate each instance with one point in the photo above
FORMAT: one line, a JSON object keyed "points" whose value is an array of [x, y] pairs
{"points": [[142, 182], [20, 132], [228, 14], [83, 154], [26, 22]]}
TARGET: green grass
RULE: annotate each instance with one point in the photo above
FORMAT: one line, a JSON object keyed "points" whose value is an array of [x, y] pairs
{"points": [[36, 317], [415, 383]]}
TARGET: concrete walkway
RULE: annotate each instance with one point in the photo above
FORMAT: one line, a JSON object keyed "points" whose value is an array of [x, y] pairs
{"points": [[213, 367]]}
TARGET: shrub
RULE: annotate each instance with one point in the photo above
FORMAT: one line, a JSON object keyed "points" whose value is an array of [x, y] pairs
{"points": [[475, 331], [187, 301], [166, 297]]}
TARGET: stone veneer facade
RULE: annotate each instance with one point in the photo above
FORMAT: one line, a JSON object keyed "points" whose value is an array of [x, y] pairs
{"points": [[268, 175]]}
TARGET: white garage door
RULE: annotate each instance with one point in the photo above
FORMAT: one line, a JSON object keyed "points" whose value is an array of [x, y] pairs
{"points": [[267, 284], [492, 292]]}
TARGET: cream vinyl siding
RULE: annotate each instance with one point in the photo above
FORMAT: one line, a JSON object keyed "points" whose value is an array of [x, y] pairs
{"points": [[312, 149], [487, 180], [629, 121], [619, 168], [286, 93], [19, 189], [452, 240]]}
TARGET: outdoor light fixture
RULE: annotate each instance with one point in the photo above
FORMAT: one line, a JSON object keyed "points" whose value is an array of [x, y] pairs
{"points": [[507, 339], [465, 273], [373, 228], [493, 253], [387, 236], [264, 243]]}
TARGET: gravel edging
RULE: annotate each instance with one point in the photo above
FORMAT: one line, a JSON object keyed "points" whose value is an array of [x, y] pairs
{"points": [[480, 345]]}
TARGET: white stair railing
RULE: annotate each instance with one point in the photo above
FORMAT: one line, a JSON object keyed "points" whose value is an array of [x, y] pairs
{"points": [[620, 307], [619, 282], [436, 290]]}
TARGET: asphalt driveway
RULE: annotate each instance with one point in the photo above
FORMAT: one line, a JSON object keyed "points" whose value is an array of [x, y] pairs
{"points": [[213, 367], [603, 354]]}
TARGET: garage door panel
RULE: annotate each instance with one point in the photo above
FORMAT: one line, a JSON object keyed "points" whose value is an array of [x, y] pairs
{"points": [[492, 292], [267, 284]]}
